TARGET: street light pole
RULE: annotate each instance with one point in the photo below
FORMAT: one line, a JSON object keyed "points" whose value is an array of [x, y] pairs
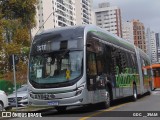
{"points": [[14, 74]]}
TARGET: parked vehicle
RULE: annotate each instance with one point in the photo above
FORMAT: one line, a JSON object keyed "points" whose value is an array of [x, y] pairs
{"points": [[3, 101], [22, 97]]}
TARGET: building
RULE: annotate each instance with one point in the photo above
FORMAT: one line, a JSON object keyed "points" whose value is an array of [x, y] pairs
{"points": [[61, 13], [54, 13], [127, 31], [109, 18], [148, 43], [83, 11], [151, 45], [139, 34], [158, 46]]}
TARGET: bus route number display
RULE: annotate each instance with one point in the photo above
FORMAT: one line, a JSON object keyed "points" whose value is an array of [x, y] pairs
{"points": [[41, 48]]}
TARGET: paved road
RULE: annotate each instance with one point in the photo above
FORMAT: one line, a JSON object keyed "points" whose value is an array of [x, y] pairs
{"points": [[149, 104]]}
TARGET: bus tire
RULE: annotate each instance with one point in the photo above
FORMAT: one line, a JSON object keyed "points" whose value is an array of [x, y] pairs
{"points": [[134, 97], [61, 109]]}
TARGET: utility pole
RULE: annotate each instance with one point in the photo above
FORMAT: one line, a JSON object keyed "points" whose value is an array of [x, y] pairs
{"points": [[14, 74]]}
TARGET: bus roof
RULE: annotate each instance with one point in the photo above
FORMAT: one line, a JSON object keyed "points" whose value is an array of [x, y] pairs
{"points": [[59, 29], [101, 33]]}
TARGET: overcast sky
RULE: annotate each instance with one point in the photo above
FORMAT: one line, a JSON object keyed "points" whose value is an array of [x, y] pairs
{"points": [[147, 11]]}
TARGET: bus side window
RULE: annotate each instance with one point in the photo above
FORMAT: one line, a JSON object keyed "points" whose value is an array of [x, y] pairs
{"points": [[91, 71], [91, 62]]}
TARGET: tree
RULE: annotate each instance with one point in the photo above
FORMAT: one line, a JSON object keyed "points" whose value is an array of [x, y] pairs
{"points": [[20, 9], [17, 17]]}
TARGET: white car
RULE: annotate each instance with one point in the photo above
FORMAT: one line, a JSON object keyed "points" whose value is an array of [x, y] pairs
{"points": [[3, 101]]}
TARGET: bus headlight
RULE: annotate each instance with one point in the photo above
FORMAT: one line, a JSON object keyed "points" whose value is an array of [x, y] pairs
{"points": [[79, 90]]}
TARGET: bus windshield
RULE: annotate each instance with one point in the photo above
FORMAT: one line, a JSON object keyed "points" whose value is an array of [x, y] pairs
{"points": [[55, 67]]}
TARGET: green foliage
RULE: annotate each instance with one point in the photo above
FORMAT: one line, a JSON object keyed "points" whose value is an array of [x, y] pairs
{"points": [[20, 9], [17, 18], [6, 86]]}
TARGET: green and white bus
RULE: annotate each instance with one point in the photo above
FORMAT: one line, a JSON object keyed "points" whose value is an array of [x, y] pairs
{"points": [[80, 65]]}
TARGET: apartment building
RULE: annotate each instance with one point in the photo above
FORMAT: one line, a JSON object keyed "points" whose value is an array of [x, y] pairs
{"points": [[84, 11], [127, 31], [151, 45], [148, 43], [109, 18], [139, 34], [61, 13], [158, 46]]}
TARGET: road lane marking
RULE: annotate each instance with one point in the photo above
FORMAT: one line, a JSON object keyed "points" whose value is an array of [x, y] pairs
{"points": [[100, 112]]}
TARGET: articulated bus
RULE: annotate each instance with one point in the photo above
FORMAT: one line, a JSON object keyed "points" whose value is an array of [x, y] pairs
{"points": [[82, 65], [156, 75]]}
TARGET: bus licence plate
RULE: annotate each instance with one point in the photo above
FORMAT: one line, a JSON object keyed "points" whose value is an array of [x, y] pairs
{"points": [[53, 103]]}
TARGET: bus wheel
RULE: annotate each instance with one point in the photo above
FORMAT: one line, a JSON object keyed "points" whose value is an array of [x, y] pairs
{"points": [[134, 97], [61, 108]]}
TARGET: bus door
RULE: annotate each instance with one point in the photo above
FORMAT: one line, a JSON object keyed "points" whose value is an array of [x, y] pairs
{"points": [[93, 80], [118, 64], [91, 74]]}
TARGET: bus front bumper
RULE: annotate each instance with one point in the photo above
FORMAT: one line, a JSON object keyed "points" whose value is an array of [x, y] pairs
{"points": [[70, 101]]}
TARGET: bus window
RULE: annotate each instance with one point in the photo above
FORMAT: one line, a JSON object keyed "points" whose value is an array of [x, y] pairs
{"points": [[100, 60], [91, 62], [91, 71], [56, 67]]}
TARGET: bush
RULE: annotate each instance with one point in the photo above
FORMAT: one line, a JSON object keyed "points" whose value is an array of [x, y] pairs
{"points": [[7, 86]]}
